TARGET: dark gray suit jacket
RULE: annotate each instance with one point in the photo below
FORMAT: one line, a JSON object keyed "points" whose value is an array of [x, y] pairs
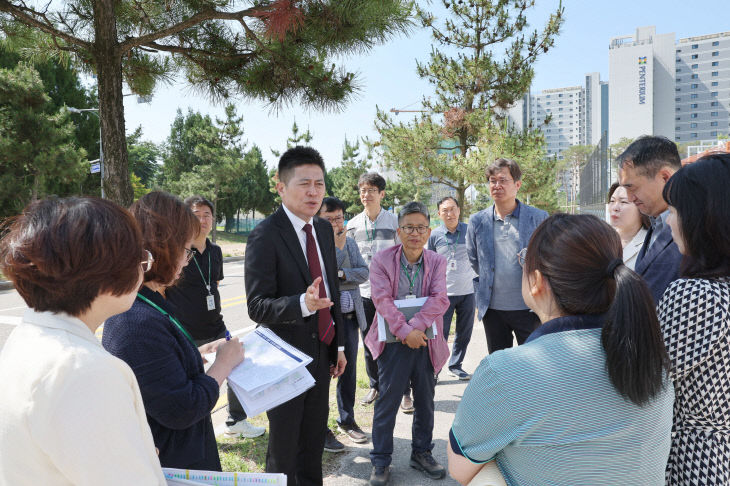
{"points": [[659, 266]]}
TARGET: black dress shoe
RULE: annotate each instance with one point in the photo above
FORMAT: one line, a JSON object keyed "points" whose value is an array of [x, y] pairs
{"points": [[380, 476], [370, 397], [424, 461], [331, 444]]}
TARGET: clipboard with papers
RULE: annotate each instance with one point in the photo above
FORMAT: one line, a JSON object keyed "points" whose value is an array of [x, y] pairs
{"points": [[409, 308]]}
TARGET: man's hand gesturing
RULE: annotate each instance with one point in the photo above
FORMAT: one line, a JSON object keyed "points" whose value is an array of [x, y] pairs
{"points": [[312, 299]]}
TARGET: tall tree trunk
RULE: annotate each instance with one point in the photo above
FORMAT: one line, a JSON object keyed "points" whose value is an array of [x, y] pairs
{"points": [[461, 200], [115, 183]]}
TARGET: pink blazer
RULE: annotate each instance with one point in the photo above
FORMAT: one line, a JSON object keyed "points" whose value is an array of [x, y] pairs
{"points": [[384, 275]]}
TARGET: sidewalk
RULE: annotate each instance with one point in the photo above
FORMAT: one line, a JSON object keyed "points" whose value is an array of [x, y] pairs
{"points": [[355, 466]]}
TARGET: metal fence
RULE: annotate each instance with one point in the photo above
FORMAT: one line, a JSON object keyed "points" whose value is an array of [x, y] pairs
{"points": [[595, 180]]}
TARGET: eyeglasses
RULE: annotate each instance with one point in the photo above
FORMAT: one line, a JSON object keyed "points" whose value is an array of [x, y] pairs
{"points": [[336, 219], [410, 229], [189, 254], [521, 257], [147, 263], [372, 192], [501, 182]]}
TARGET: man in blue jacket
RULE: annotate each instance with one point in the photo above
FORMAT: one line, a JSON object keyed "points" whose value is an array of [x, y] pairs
{"points": [[644, 168], [493, 239]]}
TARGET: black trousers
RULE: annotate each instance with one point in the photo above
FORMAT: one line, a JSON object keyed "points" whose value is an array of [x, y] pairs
{"points": [[371, 366], [500, 325], [235, 409], [297, 428]]}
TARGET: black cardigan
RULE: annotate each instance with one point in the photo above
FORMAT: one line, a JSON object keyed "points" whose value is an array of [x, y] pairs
{"points": [[178, 396]]}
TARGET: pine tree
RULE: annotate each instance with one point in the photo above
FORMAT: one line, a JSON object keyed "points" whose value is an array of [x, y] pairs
{"points": [[344, 178], [482, 65], [278, 51]]}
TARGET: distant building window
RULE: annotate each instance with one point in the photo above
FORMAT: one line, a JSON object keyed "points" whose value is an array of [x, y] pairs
{"points": [[677, 89], [695, 46], [714, 83], [715, 53], [693, 125], [548, 96], [678, 70], [693, 134], [713, 124], [693, 115], [694, 56], [713, 103], [560, 95], [714, 94], [678, 98], [677, 118], [695, 76], [715, 63], [713, 113], [693, 105], [715, 73], [677, 128], [694, 66], [678, 109], [715, 43], [693, 95], [560, 102], [678, 80], [713, 134], [678, 50], [694, 86]]}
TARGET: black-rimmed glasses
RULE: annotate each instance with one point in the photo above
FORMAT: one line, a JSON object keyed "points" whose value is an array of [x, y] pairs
{"points": [[410, 229]]}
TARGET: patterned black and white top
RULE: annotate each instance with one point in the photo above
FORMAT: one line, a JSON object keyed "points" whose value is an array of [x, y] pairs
{"points": [[695, 319]]}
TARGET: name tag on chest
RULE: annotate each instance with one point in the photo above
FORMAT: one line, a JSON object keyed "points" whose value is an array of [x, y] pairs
{"points": [[210, 302]]}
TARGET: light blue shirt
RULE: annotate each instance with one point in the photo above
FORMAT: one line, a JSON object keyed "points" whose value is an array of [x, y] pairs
{"points": [[549, 414], [459, 274]]}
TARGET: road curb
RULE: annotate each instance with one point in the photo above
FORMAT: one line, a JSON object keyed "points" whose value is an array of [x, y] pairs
{"points": [[234, 259]]}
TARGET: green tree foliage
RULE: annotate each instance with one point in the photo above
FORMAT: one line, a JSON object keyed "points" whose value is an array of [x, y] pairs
{"points": [[38, 151], [481, 65], [143, 157], [278, 51], [575, 158], [344, 178]]}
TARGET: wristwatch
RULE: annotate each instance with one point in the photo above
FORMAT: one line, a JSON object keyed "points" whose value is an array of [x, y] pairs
{"points": [[341, 274]]}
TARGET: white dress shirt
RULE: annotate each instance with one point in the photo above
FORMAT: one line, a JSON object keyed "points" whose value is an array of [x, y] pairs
{"points": [[70, 412], [632, 248]]}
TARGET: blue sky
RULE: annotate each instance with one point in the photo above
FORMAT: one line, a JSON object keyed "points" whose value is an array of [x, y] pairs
{"points": [[387, 73]]}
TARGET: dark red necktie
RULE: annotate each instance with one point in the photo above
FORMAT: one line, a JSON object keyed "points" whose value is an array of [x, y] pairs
{"points": [[324, 318]]}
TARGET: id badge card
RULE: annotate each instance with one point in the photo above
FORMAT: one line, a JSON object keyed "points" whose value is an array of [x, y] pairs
{"points": [[210, 302], [451, 264], [410, 296]]}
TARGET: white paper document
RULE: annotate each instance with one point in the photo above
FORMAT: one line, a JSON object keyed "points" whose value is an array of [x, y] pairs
{"points": [[189, 477], [410, 308], [268, 360], [292, 385]]}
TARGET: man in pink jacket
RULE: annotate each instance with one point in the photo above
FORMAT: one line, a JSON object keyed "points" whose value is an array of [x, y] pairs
{"points": [[400, 272]]}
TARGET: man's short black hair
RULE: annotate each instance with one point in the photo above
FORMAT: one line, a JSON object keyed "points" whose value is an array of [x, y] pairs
{"points": [[444, 199], [413, 207], [509, 164], [649, 154], [296, 156], [372, 179], [332, 204], [197, 200]]}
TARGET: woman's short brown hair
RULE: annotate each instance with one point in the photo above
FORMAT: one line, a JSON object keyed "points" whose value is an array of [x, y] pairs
{"points": [[167, 225], [62, 253]]}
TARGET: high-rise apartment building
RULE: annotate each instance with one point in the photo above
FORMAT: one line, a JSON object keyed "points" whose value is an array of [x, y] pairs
{"points": [[702, 87], [641, 100]]}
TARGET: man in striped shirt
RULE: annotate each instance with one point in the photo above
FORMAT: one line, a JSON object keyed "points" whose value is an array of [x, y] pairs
{"points": [[373, 230]]}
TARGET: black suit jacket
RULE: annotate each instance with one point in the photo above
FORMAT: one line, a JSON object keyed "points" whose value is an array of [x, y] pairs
{"points": [[276, 274], [660, 264]]}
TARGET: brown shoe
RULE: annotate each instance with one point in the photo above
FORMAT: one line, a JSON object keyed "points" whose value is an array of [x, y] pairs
{"points": [[406, 406], [370, 397], [354, 432]]}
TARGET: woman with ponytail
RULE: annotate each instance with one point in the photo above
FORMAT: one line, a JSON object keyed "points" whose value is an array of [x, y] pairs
{"points": [[587, 399], [695, 319]]}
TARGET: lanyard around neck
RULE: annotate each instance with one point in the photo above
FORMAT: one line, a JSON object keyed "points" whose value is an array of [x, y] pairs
{"points": [[207, 284], [411, 278], [375, 224], [165, 313], [452, 247]]}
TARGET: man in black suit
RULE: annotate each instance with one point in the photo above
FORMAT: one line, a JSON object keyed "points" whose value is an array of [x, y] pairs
{"points": [[291, 288], [644, 168]]}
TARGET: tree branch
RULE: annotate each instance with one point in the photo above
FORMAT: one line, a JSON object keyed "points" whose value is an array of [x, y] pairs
{"points": [[190, 51], [210, 14], [30, 17]]}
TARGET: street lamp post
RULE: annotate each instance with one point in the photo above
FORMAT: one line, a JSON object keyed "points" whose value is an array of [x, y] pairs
{"points": [[71, 109]]}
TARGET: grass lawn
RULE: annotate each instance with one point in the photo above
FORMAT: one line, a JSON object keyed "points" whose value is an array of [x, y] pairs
{"points": [[249, 455]]}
